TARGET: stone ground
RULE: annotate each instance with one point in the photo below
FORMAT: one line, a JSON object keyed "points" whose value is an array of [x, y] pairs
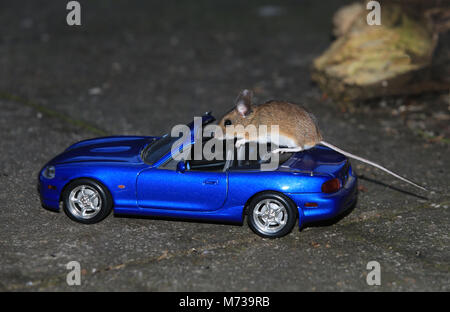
{"points": [[138, 68]]}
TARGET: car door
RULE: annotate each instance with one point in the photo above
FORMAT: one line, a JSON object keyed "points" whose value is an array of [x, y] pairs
{"points": [[197, 189]]}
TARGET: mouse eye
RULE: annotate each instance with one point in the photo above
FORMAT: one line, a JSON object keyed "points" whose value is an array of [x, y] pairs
{"points": [[227, 122]]}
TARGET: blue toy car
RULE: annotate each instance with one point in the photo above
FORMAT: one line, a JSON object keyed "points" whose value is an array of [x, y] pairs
{"points": [[136, 175]]}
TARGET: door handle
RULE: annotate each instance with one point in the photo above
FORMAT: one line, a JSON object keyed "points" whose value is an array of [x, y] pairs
{"points": [[210, 182]]}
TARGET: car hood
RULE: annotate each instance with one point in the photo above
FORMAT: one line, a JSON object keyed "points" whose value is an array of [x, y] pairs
{"points": [[114, 148], [320, 159]]}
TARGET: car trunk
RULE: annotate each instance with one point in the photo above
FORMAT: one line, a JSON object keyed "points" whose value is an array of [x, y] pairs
{"points": [[319, 160]]}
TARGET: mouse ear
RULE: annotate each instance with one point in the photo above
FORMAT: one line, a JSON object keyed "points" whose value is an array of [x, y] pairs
{"points": [[244, 102]]}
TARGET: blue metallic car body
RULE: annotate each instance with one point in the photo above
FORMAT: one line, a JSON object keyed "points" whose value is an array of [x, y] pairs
{"points": [[138, 188]]}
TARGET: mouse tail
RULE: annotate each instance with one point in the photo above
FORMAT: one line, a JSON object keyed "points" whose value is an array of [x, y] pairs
{"points": [[337, 149]]}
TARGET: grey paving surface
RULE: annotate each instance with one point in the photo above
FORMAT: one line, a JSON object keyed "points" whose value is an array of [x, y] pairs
{"points": [[139, 67]]}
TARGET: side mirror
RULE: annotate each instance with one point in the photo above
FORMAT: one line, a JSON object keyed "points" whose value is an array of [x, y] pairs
{"points": [[181, 166]]}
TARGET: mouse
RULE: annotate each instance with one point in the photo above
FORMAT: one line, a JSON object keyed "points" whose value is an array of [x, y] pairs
{"points": [[298, 128]]}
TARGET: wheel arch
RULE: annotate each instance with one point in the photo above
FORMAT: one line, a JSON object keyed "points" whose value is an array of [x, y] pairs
{"points": [[247, 203], [86, 178]]}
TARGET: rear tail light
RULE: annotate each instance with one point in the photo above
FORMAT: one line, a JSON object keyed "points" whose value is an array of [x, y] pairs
{"points": [[331, 186]]}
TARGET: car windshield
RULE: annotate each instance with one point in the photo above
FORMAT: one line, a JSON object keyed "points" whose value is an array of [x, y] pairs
{"points": [[159, 148]]}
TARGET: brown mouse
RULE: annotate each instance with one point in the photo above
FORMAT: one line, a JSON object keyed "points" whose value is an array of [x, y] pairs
{"points": [[298, 128]]}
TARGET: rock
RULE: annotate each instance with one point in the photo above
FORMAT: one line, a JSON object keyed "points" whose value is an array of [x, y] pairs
{"points": [[406, 54], [345, 17]]}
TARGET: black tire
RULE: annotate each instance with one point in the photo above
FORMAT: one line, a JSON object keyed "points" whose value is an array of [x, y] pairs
{"points": [[286, 217], [103, 205]]}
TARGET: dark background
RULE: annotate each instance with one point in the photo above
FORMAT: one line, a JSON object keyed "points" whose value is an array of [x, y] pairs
{"points": [[139, 67]]}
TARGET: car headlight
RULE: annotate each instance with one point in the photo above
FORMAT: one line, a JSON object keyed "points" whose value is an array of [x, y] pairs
{"points": [[49, 172]]}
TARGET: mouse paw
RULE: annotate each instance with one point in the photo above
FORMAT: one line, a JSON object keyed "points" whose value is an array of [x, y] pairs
{"points": [[287, 150], [278, 150], [239, 143]]}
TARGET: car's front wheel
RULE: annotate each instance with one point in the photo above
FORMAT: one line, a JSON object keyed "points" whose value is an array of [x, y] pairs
{"points": [[271, 215], [86, 201]]}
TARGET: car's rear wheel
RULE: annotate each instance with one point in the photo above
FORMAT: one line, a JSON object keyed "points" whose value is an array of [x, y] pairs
{"points": [[86, 201], [271, 215]]}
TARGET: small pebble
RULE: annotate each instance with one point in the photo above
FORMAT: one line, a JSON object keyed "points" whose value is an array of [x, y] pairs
{"points": [[95, 91]]}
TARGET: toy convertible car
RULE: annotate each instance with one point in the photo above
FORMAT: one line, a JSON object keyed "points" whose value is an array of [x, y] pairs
{"points": [[136, 175]]}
